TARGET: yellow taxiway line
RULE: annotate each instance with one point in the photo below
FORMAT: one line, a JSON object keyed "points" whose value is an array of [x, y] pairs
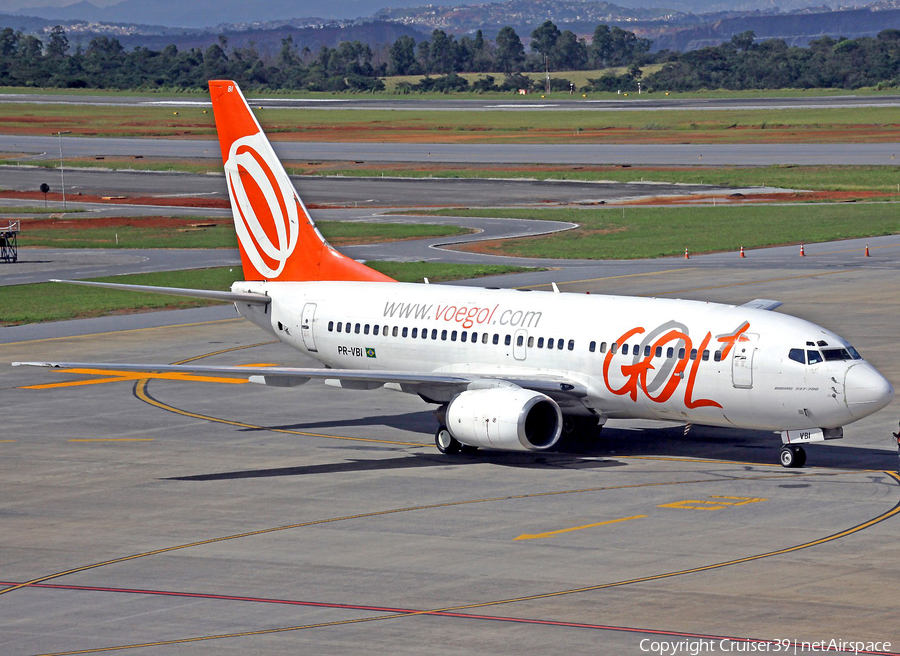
{"points": [[538, 536]]}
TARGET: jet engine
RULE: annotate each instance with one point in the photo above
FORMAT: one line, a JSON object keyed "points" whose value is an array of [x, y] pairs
{"points": [[512, 419]]}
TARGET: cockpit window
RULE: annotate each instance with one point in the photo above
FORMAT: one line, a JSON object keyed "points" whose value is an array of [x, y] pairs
{"points": [[834, 354], [797, 356], [812, 357], [854, 353]]}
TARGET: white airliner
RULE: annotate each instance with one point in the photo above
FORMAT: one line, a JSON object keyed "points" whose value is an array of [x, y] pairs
{"points": [[512, 369]]}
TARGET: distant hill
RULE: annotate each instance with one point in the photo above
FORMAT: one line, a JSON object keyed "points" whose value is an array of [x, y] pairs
{"points": [[796, 29], [206, 13], [268, 41]]}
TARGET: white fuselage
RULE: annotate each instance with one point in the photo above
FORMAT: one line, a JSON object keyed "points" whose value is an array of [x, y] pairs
{"points": [[689, 361]]}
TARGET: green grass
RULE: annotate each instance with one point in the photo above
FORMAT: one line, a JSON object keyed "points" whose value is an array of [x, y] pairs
{"points": [[41, 302], [579, 78], [454, 126], [119, 165], [220, 236], [646, 232], [21, 209], [441, 271], [818, 178]]}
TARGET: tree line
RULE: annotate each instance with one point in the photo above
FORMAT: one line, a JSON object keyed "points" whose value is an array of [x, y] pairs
{"points": [[741, 63]]}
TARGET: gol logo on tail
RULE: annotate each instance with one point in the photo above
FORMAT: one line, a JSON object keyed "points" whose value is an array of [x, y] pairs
{"points": [[262, 200]]}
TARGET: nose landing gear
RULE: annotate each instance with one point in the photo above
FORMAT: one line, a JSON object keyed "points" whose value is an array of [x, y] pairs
{"points": [[792, 456]]}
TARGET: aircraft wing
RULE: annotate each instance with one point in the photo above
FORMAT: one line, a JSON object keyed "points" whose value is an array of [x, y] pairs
{"points": [[434, 385]]}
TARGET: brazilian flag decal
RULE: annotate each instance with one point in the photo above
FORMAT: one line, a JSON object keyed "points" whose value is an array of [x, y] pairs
{"points": [[370, 353]]}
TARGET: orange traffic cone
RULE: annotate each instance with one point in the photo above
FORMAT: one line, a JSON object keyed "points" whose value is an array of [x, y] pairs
{"points": [[742, 252], [867, 251], [802, 252], [687, 255]]}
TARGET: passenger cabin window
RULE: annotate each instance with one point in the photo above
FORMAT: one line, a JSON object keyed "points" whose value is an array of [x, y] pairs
{"points": [[366, 329], [331, 326], [484, 338], [395, 331], [405, 331], [415, 333], [592, 347], [339, 326], [647, 350], [624, 349], [681, 354], [571, 345], [706, 355], [443, 335], [670, 352], [603, 347], [434, 333], [453, 336], [659, 351], [613, 347], [463, 336], [797, 355], [375, 330], [507, 340], [356, 329], [496, 339], [813, 357], [549, 342], [540, 342], [718, 356], [520, 340], [530, 342]]}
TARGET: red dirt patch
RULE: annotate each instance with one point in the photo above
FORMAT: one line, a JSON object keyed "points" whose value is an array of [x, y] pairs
{"points": [[120, 222], [212, 203]]}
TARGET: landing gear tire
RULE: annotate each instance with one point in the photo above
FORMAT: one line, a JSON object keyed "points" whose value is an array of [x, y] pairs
{"points": [[445, 442], [792, 456]]}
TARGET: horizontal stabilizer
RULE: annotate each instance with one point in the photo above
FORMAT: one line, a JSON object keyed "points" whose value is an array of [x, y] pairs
{"points": [[228, 297], [762, 304]]}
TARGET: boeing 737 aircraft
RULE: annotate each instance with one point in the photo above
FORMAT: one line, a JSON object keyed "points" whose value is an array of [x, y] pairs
{"points": [[512, 369]]}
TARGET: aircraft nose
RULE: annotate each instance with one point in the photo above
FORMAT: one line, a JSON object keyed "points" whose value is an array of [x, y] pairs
{"points": [[866, 390]]}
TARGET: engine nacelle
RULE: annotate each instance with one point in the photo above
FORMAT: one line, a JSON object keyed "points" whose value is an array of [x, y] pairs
{"points": [[505, 418]]}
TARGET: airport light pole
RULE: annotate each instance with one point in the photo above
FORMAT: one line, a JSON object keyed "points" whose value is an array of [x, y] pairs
{"points": [[62, 176]]}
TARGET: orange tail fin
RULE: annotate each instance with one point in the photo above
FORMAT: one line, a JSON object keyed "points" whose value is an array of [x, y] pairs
{"points": [[277, 238]]}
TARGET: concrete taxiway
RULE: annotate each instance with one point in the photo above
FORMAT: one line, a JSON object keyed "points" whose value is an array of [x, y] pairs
{"points": [[356, 191], [195, 515], [846, 154]]}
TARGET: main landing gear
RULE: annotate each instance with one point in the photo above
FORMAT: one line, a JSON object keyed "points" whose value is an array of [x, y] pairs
{"points": [[449, 445], [792, 456]]}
